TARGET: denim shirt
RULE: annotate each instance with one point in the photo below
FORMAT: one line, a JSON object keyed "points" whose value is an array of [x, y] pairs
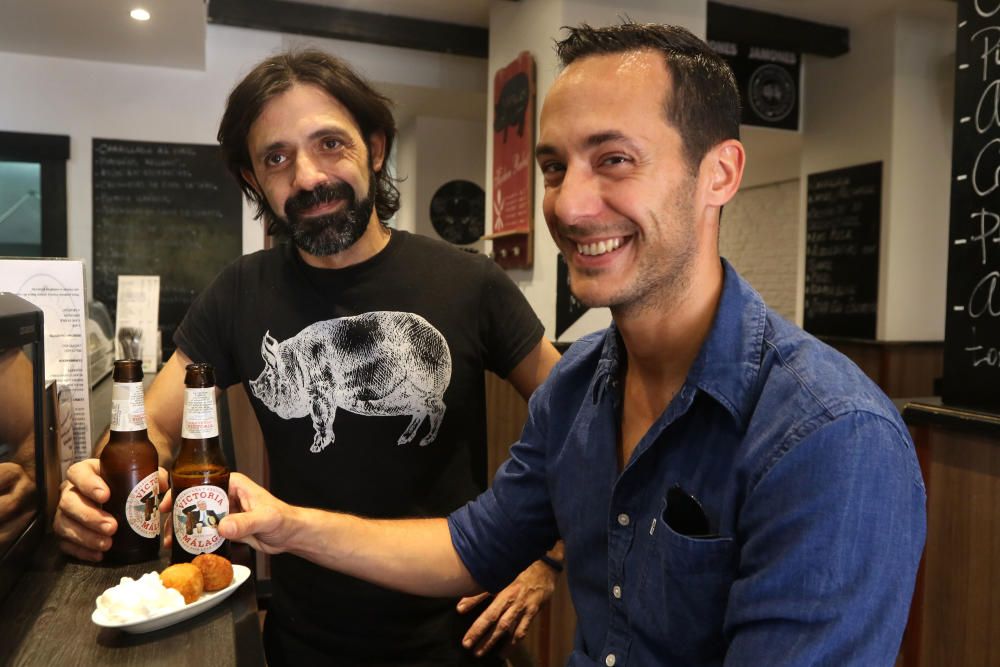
{"points": [[806, 474]]}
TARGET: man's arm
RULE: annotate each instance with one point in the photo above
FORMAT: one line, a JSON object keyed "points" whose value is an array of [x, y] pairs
{"points": [[531, 371], [410, 555], [834, 532]]}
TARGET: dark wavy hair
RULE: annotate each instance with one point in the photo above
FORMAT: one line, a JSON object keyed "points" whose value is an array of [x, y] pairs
{"points": [[272, 77], [704, 105]]}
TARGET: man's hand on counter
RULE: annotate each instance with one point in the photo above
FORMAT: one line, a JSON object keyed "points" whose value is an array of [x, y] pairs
{"points": [[83, 528], [17, 502]]}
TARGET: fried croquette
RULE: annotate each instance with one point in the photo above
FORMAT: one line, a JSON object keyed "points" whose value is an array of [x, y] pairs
{"points": [[216, 570], [186, 579]]}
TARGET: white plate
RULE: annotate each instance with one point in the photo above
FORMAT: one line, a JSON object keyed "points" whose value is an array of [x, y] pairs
{"points": [[205, 602]]}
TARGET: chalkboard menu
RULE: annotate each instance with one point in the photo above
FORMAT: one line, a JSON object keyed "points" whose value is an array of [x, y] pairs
{"points": [[163, 209], [843, 215], [972, 320]]}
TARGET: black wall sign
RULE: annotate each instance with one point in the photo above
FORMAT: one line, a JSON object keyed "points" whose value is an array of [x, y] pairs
{"points": [[162, 209], [768, 81], [972, 321], [843, 215], [568, 309]]}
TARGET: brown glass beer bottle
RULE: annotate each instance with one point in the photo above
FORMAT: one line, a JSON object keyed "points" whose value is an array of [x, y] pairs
{"points": [[129, 467], [200, 479]]}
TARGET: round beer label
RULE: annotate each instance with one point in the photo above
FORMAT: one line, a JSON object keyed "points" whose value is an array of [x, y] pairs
{"points": [[141, 509], [128, 413], [200, 417], [197, 513]]}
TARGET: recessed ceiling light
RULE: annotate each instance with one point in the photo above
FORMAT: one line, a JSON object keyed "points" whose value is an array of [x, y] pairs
{"points": [[139, 14]]}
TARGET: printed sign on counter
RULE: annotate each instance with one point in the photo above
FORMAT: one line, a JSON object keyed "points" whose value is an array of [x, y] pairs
{"points": [[136, 318], [57, 287]]}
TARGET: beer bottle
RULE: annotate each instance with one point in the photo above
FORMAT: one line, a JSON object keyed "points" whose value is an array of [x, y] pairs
{"points": [[129, 467], [200, 479]]}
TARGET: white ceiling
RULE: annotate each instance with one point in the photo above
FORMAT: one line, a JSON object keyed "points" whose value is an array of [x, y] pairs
{"points": [[175, 36], [844, 13], [463, 12], [103, 30]]}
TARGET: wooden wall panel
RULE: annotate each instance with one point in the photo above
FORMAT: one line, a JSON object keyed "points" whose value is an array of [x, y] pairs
{"points": [[506, 413], [902, 370], [550, 640], [961, 597], [248, 442]]}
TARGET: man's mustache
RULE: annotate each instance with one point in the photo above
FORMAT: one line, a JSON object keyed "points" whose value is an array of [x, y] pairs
{"points": [[321, 194]]}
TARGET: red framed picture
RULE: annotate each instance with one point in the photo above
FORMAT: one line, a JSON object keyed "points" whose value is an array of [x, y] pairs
{"points": [[512, 202]]}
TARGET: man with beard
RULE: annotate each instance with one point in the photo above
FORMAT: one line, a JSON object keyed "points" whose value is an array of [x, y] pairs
{"points": [[730, 490], [395, 330]]}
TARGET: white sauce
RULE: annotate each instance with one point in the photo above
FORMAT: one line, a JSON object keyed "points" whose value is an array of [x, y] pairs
{"points": [[137, 600]]}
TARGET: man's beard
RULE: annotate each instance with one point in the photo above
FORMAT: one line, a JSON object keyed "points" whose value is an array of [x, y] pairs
{"points": [[329, 234]]}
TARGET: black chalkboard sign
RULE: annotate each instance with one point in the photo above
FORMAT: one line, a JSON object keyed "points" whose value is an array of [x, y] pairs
{"points": [[162, 209], [972, 320], [843, 215], [769, 83], [568, 309]]}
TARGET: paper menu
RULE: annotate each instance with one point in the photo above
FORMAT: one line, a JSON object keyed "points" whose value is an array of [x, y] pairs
{"points": [[57, 287]]}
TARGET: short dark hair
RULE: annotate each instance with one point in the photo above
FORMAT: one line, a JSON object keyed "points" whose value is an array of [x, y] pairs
{"points": [[705, 104], [272, 77]]}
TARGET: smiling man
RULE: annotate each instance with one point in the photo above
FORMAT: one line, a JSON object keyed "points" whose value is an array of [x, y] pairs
{"points": [[310, 161], [363, 351], [730, 490]]}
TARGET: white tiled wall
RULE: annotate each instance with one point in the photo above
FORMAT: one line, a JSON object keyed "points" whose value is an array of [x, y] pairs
{"points": [[759, 238]]}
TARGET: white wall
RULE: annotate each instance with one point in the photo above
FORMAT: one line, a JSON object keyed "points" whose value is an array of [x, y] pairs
{"points": [[890, 100], [532, 25], [529, 25], [87, 99], [759, 237], [916, 238], [446, 149], [406, 169], [773, 156], [847, 120]]}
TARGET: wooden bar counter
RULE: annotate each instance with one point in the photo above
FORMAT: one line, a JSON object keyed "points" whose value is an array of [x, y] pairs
{"points": [[46, 620], [955, 616]]}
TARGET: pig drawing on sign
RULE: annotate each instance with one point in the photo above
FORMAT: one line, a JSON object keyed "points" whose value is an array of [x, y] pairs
{"points": [[377, 364], [513, 105]]}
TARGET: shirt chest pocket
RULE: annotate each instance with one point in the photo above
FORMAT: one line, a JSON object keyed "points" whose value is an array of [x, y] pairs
{"points": [[683, 591]]}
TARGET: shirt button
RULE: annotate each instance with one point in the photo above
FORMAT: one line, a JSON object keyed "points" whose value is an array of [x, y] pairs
{"points": [[623, 519], [610, 660], [616, 590]]}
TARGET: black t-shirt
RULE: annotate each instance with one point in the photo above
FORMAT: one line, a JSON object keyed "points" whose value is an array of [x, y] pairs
{"points": [[349, 372]]}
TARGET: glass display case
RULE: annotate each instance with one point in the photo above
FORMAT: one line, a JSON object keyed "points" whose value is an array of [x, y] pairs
{"points": [[22, 436]]}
